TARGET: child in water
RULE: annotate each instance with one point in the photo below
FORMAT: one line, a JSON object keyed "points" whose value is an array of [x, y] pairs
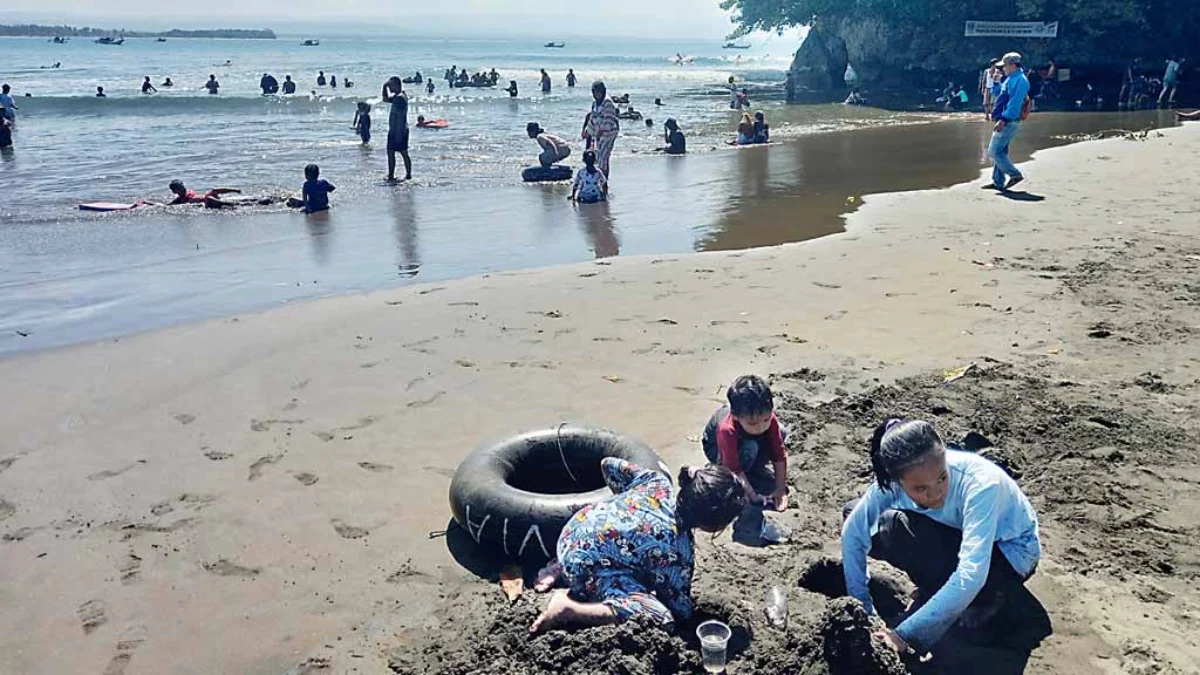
{"points": [[429, 86], [590, 186], [762, 130], [316, 190], [362, 121], [512, 89]]}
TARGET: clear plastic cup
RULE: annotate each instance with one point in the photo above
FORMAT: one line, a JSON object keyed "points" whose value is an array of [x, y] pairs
{"points": [[714, 639]]}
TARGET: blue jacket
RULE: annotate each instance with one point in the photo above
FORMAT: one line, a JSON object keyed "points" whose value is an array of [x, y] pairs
{"points": [[983, 502], [1013, 91]]}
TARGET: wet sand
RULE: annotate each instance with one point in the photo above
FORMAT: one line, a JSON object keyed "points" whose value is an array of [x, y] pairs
{"points": [[78, 281], [255, 494]]}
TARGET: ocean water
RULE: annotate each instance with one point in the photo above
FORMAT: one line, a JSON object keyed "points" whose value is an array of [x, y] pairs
{"points": [[72, 147]]}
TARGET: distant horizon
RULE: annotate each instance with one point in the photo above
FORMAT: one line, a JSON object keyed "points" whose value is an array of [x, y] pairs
{"points": [[695, 23]]}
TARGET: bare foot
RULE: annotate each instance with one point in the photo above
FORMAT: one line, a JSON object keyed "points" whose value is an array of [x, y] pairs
{"points": [[548, 576], [557, 612]]}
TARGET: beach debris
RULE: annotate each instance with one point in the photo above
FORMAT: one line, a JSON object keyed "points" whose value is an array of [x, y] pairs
{"points": [[666, 320], [511, 582], [777, 606], [22, 333], [983, 263], [1054, 352], [958, 373], [693, 438], [613, 378]]}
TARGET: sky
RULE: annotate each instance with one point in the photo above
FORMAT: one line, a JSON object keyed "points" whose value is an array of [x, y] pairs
{"points": [[566, 18]]}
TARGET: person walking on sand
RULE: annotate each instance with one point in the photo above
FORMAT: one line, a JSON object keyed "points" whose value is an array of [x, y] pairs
{"points": [[1008, 113], [393, 93], [603, 126], [631, 555]]}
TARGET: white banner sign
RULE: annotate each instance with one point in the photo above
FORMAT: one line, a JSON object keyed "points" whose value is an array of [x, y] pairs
{"points": [[1018, 29]]}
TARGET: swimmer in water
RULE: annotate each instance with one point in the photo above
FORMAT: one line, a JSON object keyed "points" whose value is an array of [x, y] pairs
{"points": [[212, 85], [362, 121], [320, 78], [289, 87], [571, 79], [512, 89], [333, 81], [167, 83], [429, 86], [545, 82], [100, 92], [148, 88], [211, 199]]}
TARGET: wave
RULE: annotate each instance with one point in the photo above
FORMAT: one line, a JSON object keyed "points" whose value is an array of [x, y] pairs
{"points": [[191, 105]]}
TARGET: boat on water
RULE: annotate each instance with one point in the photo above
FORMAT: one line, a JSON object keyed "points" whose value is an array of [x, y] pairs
{"points": [[735, 45], [161, 40], [312, 43], [555, 45], [58, 40], [116, 42]]}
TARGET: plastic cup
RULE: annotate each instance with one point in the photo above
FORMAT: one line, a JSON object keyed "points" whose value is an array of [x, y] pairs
{"points": [[714, 639]]}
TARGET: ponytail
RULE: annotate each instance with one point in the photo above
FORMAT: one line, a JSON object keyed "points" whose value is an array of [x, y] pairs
{"points": [[897, 445], [709, 498]]}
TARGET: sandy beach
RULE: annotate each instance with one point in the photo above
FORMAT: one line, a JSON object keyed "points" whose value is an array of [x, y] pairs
{"points": [[256, 494]]}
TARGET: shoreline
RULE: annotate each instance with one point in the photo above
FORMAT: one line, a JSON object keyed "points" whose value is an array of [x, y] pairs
{"points": [[192, 485], [192, 266]]}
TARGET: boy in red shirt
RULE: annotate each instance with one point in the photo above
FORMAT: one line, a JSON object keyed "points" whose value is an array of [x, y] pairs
{"points": [[745, 437]]}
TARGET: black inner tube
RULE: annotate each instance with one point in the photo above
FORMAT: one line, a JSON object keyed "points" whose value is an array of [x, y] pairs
{"points": [[542, 471]]}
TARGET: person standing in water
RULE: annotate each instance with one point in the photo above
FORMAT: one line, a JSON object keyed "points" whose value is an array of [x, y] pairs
{"points": [[603, 126], [320, 78], [100, 93], [333, 81], [545, 82], [289, 87], [212, 85], [735, 102], [148, 88], [393, 93], [429, 86], [268, 84], [571, 79]]}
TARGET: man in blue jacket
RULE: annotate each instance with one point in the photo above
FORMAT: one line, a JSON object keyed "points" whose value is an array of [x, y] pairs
{"points": [[1007, 114]]}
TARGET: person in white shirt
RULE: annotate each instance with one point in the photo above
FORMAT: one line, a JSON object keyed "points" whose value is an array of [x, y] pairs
{"points": [[554, 148], [591, 185], [8, 104]]}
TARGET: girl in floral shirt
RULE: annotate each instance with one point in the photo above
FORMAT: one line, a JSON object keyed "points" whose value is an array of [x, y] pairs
{"points": [[632, 553]]}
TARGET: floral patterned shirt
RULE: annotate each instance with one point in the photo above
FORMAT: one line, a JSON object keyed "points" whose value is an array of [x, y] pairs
{"points": [[628, 551]]}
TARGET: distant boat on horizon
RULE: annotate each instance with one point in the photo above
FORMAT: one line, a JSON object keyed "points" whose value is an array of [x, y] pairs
{"points": [[161, 40], [734, 45], [116, 42], [555, 45], [312, 43]]}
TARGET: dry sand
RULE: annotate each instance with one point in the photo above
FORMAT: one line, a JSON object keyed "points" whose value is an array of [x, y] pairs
{"points": [[254, 494]]}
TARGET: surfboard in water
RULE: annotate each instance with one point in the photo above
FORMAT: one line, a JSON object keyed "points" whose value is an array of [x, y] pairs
{"points": [[108, 206]]}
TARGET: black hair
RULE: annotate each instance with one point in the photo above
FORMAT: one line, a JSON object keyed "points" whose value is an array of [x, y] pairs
{"points": [[176, 184], [598, 85], [750, 395], [709, 499], [312, 172], [759, 116], [671, 124], [533, 129], [897, 446], [589, 157]]}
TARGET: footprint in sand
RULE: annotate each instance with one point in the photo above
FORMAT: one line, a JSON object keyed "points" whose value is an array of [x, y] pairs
{"points": [[130, 568], [227, 568], [463, 363], [6, 509], [424, 402], [184, 418], [19, 534], [377, 468], [723, 323], [362, 423], [607, 339], [112, 473], [215, 455], [825, 285], [348, 531], [448, 473], [369, 364], [464, 304], [646, 350], [301, 384], [413, 382], [256, 468], [291, 405], [92, 614], [687, 390], [435, 289], [307, 478], [131, 639], [7, 462], [836, 316], [265, 425]]}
